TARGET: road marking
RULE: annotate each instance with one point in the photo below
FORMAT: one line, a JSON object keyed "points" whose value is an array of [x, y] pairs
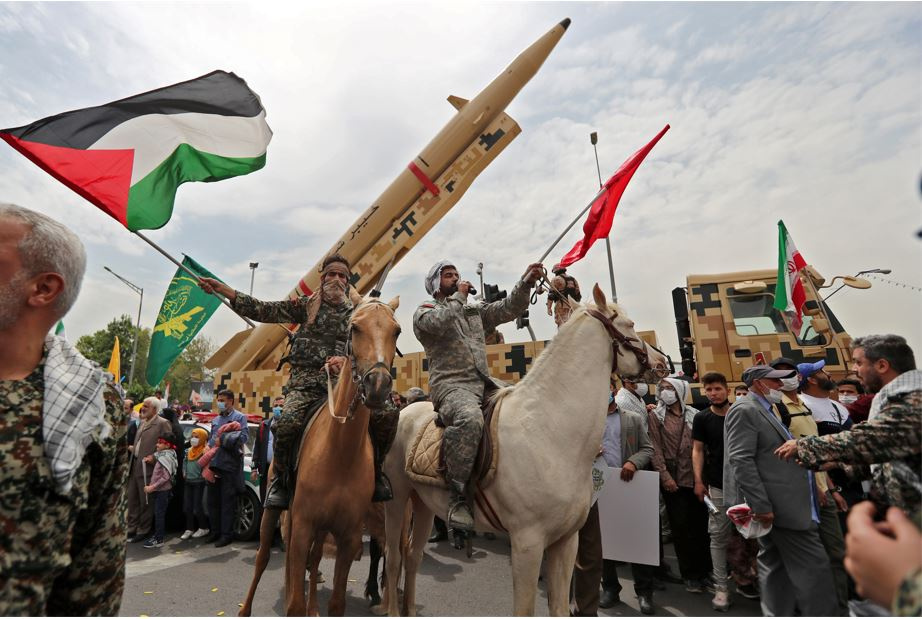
{"points": [[142, 567]]}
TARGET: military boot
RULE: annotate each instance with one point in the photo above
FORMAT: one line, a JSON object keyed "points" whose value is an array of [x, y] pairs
{"points": [[383, 490], [459, 513], [277, 493]]}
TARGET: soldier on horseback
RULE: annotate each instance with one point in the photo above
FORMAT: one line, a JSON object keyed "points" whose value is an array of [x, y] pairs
{"points": [[562, 286], [452, 334], [319, 341]]}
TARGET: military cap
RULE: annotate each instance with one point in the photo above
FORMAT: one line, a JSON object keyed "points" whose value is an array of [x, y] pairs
{"points": [[765, 371]]}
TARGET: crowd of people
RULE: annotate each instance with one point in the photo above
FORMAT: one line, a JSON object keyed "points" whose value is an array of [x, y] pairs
{"points": [[804, 491]]}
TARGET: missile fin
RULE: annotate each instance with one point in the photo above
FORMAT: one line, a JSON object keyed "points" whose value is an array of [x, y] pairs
{"points": [[457, 102]]}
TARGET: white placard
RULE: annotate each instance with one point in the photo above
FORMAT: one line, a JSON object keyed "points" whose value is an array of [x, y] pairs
{"points": [[629, 517]]}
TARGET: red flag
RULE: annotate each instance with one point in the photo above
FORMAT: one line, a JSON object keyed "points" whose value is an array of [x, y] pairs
{"points": [[598, 224]]}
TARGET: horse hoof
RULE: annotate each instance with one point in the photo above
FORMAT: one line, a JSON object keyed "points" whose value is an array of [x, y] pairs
{"points": [[378, 610], [373, 598]]}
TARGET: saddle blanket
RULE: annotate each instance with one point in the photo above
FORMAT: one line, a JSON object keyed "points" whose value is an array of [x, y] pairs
{"points": [[424, 460]]}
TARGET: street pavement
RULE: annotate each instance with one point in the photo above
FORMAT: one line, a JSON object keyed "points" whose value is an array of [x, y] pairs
{"points": [[191, 578]]}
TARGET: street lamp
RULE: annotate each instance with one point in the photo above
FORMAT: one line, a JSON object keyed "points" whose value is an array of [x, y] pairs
{"points": [[137, 335], [253, 266], [858, 274]]}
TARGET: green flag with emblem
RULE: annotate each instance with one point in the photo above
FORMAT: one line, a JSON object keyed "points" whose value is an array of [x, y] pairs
{"points": [[185, 310]]}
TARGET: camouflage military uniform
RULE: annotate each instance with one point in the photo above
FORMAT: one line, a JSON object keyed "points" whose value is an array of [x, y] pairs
{"points": [[562, 286], [452, 334], [908, 602], [893, 439], [59, 555], [307, 386]]}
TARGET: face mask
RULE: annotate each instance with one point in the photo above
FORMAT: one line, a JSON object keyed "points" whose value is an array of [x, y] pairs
{"points": [[221, 406], [611, 397], [276, 410], [848, 399], [641, 389], [773, 396], [668, 397], [193, 441], [790, 384]]}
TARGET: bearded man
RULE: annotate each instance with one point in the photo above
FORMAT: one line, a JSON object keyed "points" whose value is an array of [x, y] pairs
{"points": [[563, 288], [318, 342], [452, 334]]}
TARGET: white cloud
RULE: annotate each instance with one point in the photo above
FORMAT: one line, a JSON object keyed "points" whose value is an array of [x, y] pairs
{"points": [[806, 112]]}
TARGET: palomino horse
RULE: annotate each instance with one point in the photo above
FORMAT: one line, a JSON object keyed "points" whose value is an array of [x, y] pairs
{"points": [[335, 477], [549, 430]]}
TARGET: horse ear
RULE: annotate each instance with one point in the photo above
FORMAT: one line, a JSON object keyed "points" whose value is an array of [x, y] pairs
{"points": [[599, 297], [355, 297], [394, 303]]}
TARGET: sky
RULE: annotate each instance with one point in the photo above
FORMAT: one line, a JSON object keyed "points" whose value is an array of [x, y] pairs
{"points": [[806, 112]]}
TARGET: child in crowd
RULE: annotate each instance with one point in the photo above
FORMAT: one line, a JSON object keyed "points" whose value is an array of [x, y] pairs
{"points": [[160, 486], [194, 490]]}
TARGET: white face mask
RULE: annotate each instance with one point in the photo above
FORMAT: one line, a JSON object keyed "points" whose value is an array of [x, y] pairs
{"points": [[773, 396], [193, 441], [668, 397], [790, 384], [641, 389], [848, 399]]}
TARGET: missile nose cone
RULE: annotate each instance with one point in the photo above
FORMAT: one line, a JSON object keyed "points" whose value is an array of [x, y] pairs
{"points": [[565, 23]]}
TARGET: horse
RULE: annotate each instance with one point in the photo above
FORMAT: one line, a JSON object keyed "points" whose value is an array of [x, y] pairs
{"points": [[549, 430], [335, 477]]}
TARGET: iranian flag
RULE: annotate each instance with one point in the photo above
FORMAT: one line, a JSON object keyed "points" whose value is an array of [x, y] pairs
{"points": [[789, 290], [128, 157]]}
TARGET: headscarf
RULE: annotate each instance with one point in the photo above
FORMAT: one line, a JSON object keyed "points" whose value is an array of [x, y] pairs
{"points": [[195, 452], [435, 273], [681, 389]]}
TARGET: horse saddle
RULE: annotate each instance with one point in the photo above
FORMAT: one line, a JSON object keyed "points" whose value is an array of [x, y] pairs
{"points": [[426, 457]]}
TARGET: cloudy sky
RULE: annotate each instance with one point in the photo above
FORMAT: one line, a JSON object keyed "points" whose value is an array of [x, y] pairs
{"points": [[804, 112]]}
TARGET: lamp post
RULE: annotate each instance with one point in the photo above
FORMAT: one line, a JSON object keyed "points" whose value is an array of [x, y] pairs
{"points": [[859, 273], [137, 335], [253, 266], [594, 139]]}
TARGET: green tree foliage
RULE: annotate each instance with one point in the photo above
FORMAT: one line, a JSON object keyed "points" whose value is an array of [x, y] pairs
{"points": [[189, 366]]}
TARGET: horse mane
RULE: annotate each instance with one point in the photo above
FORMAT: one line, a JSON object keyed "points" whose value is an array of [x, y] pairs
{"points": [[579, 312]]}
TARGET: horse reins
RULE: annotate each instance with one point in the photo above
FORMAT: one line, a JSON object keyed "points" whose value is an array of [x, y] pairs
{"points": [[356, 378]]}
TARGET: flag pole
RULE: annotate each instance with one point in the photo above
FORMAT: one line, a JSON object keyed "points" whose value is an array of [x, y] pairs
{"points": [[594, 138], [572, 223], [187, 270]]}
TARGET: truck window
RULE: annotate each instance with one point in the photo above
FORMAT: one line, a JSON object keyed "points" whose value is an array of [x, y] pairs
{"points": [[753, 314]]}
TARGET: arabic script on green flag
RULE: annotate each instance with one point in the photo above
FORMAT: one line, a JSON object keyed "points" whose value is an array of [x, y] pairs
{"points": [[185, 310]]}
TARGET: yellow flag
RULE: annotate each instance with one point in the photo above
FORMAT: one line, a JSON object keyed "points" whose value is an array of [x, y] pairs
{"points": [[114, 362]]}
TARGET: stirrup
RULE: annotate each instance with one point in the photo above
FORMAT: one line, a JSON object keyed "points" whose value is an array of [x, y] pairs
{"points": [[460, 516], [276, 495]]}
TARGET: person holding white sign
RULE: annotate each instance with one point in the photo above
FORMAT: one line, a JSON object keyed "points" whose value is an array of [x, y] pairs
{"points": [[625, 445]]}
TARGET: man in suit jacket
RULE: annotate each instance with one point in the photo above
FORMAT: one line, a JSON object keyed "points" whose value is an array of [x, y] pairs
{"points": [[141, 512], [794, 570], [625, 445]]}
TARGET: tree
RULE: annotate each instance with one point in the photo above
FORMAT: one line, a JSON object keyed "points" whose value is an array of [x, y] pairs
{"points": [[190, 366], [98, 347]]}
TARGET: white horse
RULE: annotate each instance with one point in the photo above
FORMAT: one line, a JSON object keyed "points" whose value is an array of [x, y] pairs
{"points": [[549, 431]]}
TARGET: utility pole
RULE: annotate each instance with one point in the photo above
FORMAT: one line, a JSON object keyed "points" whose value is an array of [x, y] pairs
{"points": [[594, 139], [253, 266], [137, 335]]}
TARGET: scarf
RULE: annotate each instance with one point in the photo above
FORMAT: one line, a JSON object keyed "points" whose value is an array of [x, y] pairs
{"points": [[167, 459], [434, 276], [195, 452], [73, 410], [904, 383], [681, 389]]}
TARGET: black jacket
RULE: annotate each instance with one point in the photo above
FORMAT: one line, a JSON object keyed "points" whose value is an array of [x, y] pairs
{"points": [[261, 448]]}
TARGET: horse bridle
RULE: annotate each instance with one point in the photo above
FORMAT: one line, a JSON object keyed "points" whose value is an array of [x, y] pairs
{"points": [[357, 378]]}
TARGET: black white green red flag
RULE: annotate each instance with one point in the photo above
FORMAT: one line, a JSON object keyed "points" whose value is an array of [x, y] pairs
{"points": [[128, 157], [789, 290]]}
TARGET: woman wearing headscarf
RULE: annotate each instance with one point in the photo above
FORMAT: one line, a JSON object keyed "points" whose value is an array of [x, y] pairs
{"points": [[194, 492]]}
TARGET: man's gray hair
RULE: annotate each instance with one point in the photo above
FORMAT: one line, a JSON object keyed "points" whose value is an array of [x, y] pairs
{"points": [[153, 401], [891, 347], [50, 246]]}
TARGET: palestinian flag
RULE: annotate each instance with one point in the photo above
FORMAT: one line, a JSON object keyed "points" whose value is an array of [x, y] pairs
{"points": [[128, 157], [789, 290]]}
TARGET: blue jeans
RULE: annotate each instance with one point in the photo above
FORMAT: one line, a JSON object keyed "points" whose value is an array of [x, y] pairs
{"points": [[161, 499]]}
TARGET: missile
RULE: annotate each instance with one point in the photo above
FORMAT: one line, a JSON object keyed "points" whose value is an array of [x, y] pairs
{"points": [[413, 203]]}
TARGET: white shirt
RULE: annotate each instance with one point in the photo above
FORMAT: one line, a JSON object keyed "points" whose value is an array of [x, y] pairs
{"points": [[611, 440], [825, 409]]}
